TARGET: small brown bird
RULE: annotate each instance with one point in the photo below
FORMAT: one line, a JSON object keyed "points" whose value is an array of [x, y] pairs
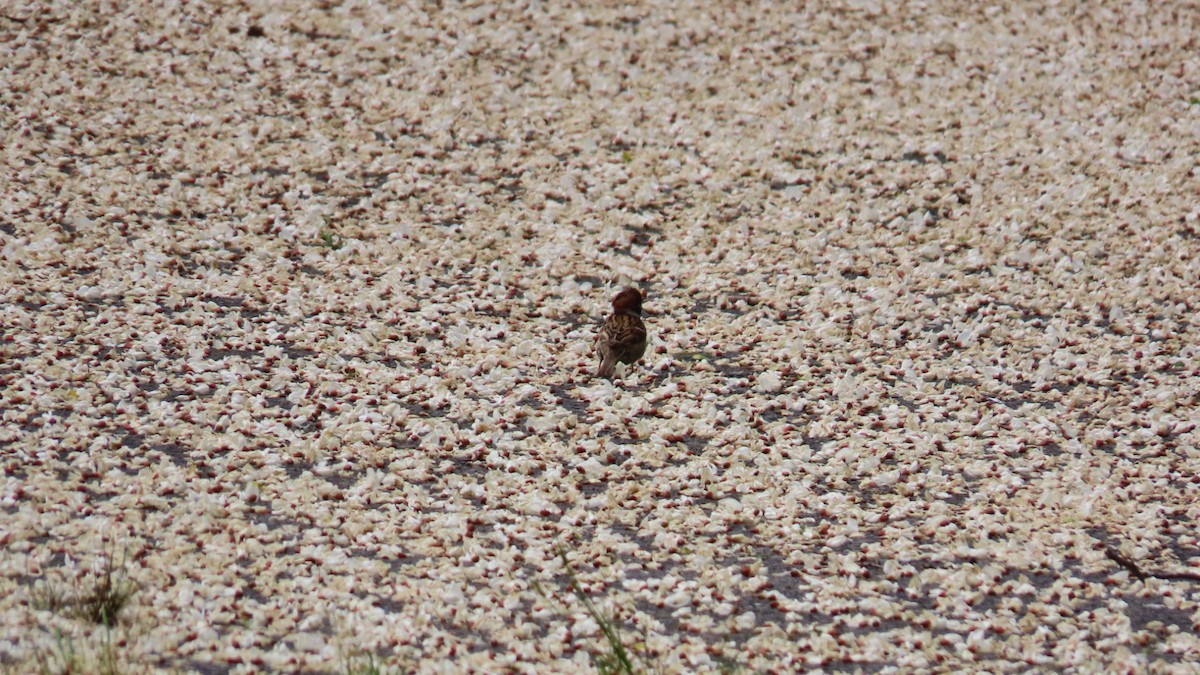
{"points": [[623, 335]]}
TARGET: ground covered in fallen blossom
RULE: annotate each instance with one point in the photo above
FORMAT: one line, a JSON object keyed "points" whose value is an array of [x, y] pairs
{"points": [[297, 300]]}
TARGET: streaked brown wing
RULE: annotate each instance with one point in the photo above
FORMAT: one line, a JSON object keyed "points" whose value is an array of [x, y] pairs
{"points": [[627, 336]]}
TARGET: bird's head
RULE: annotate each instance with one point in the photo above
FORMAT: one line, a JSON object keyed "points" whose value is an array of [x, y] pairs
{"points": [[629, 301]]}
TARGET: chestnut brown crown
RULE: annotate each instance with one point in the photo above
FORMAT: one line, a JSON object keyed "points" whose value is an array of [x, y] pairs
{"points": [[628, 301]]}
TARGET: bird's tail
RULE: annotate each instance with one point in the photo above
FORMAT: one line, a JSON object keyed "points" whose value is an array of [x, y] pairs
{"points": [[608, 365]]}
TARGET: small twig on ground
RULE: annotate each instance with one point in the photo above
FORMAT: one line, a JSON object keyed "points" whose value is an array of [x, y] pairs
{"points": [[1134, 569]]}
